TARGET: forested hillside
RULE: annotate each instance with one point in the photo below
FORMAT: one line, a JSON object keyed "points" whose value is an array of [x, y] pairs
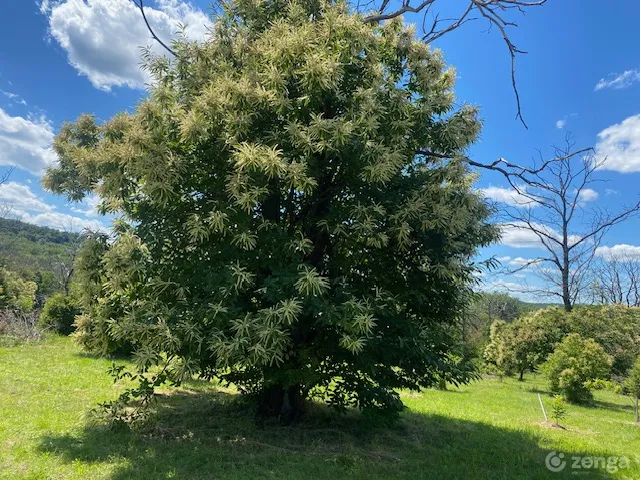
{"points": [[37, 254]]}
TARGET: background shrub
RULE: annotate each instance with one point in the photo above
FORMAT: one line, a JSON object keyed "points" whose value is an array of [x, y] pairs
{"points": [[59, 313], [16, 293], [574, 364]]}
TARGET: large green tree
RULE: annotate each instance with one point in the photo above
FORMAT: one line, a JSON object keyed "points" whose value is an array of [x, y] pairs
{"points": [[283, 226]]}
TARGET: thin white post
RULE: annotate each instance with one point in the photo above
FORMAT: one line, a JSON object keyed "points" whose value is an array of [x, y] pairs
{"points": [[543, 410]]}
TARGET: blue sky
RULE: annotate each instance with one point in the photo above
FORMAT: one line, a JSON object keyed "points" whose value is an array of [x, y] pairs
{"points": [[61, 58]]}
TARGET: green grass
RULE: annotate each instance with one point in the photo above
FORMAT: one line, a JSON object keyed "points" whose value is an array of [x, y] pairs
{"points": [[489, 430]]}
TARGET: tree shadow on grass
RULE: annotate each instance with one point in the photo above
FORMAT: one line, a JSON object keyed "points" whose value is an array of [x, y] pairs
{"points": [[115, 357], [630, 408], [541, 391], [205, 435]]}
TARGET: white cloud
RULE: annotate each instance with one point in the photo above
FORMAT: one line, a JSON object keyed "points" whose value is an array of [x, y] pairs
{"points": [[13, 97], [611, 191], [25, 142], [522, 290], [520, 235], [102, 38], [508, 196], [620, 251], [20, 197], [588, 195], [560, 124], [61, 221], [503, 286], [45, 6], [22, 203], [504, 259], [521, 262], [522, 199], [619, 80], [618, 146], [88, 207]]}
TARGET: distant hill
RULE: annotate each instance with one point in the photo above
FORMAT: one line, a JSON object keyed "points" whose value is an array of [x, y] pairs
{"points": [[34, 252]]}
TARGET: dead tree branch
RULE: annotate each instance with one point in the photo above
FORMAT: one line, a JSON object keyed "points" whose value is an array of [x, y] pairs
{"points": [[493, 11], [140, 5], [4, 177], [555, 212]]}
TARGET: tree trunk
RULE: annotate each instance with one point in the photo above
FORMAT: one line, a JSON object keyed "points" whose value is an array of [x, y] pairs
{"points": [[521, 378], [281, 402], [67, 283], [566, 296]]}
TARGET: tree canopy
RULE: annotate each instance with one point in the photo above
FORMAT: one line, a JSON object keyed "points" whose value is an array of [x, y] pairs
{"points": [[574, 363], [526, 343], [280, 228]]}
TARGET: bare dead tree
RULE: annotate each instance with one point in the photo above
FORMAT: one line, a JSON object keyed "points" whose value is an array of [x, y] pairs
{"points": [[5, 209], [617, 280], [549, 202], [496, 13], [4, 176], [63, 266]]}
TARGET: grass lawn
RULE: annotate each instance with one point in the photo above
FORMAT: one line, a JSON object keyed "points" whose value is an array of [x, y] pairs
{"points": [[487, 430]]}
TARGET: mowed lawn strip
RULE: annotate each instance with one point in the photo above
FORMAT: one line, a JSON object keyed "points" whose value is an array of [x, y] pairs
{"points": [[489, 429]]}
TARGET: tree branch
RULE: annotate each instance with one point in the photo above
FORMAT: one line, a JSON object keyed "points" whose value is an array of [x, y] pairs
{"points": [[140, 5], [5, 176], [487, 9], [554, 196]]}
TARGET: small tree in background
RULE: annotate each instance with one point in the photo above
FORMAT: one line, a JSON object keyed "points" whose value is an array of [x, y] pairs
{"points": [[632, 386], [558, 409], [574, 363], [285, 225], [497, 353], [532, 339], [15, 292], [524, 342], [513, 347], [59, 313]]}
